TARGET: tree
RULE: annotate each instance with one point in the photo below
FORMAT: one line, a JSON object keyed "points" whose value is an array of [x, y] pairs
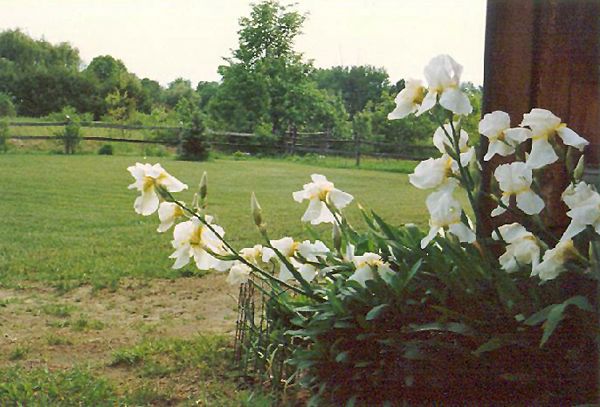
{"points": [[357, 85], [179, 89], [153, 95], [40, 76], [266, 81], [205, 91], [110, 76]]}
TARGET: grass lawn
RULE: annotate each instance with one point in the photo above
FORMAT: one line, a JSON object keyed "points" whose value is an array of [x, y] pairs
{"points": [[91, 311], [69, 219]]}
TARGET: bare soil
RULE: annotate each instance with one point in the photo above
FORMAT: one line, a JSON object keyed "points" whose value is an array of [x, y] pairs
{"points": [[181, 308]]}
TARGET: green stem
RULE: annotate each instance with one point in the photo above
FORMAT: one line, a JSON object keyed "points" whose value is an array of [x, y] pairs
{"points": [[463, 171], [235, 252]]}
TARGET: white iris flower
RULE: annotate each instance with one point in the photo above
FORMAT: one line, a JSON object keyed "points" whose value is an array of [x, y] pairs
{"points": [[584, 204], [554, 261], [515, 179], [191, 239], [147, 179], [289, 248], [168, 213], [408, 100], [502, 139], [434, 173], [318, 193], [544, 125], [522, 248], [367, 266], [239, 273], [445, 145], [446, 213], [443, 80]]}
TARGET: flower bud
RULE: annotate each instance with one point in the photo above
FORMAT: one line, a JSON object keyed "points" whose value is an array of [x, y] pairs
{"points": [[203, 187], [579, 168], [195, 200], [337, 237], [256, 210]]}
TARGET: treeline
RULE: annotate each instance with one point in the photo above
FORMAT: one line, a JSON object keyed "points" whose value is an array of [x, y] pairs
{"points": [[266, 88]]}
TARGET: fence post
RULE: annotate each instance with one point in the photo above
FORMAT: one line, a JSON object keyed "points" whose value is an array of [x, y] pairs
{"points": [[357, 148], [294, 135], [180, 140], [66, 141]]}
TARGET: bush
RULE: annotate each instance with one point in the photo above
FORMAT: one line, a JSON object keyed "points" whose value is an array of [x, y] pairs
{"points": [[4, 135], [7, 108], [193, 146], [106, 149], [70, 113], [70, 137], [445, 328]]}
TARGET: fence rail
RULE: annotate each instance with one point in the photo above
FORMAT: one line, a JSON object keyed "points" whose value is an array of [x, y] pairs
{"points": [[291, 142]]}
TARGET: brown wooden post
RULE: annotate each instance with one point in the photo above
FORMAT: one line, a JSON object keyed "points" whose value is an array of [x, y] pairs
{"points": [[543, 54], [294, 136], [546, 54], [357, 148]]}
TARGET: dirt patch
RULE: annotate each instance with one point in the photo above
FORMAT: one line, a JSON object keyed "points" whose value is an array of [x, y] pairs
{"points": [[84, 327]]}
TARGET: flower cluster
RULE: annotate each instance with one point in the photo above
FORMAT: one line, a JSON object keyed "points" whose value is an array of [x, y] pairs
{"points": [[516, 185], [286, 260]]}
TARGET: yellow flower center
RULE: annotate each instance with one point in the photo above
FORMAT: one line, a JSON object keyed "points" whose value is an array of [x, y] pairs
{"points": [[150, 182], [196, 238], [419, 95], [516, 191], [177, 212]]}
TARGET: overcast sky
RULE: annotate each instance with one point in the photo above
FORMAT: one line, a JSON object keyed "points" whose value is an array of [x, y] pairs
{"points": [[164, 40]]}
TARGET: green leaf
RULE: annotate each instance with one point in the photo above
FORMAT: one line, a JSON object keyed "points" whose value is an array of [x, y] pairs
{"points": [[413, 271], [553, 314], [385, 228], [341, 357], [454, 327], [496, 342], [375, 312]]}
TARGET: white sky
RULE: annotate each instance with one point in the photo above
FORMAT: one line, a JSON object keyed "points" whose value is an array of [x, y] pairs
{"points": [[166, 39]]}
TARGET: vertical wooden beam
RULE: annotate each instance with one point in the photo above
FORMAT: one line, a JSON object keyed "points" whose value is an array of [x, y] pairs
{"points": [[543, 54]]}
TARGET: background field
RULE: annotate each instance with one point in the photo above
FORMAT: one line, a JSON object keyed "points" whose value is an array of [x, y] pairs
{"points": [[70, 218]]}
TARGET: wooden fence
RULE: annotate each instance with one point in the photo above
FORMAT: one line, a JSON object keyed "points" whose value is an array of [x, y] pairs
{"points": [[291, 142]]}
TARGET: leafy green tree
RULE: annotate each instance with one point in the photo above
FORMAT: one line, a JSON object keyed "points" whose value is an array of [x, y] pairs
{"points": [[110, 77], [402, 132], [266, 80], [40, 76], [205, 91], [357, 84], [179, 89], [152, 95]]}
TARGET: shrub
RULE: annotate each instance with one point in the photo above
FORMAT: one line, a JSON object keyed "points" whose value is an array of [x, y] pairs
{"points": [[193, 146], [4, 135], [7, 108], [70, 113], [70, 136], [106, 149]]}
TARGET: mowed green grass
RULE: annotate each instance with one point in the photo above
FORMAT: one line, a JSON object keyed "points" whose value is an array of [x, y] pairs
{"points": [[69, 220]]}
